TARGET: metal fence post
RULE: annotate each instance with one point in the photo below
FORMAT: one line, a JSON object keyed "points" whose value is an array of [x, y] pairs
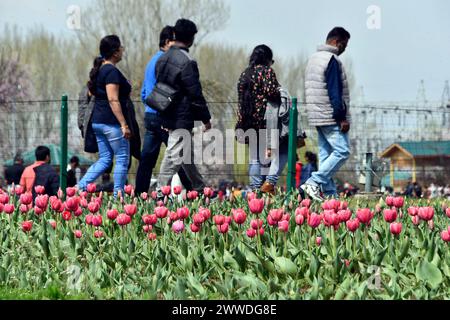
{"points": [[63, 144], [369, 177], [292, 151]]}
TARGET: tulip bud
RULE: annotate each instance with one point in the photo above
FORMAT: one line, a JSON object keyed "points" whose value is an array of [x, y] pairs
{"points": [[251, 233], [27, 226], [177, 190], [195, 227], [178, 226], [78, 234]]}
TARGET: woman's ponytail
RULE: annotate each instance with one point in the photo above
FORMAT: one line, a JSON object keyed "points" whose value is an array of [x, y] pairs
{"points": [[93, 74]]}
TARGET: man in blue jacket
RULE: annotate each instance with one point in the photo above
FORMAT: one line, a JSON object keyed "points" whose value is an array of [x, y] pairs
{"points": [[154, 134]]}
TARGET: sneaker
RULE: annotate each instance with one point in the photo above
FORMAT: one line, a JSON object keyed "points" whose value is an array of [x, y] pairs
{"points": [[267, 187], [312, 191]]}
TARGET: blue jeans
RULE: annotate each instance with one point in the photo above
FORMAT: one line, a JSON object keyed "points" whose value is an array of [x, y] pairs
{"points": [[111, 143], [278, 163], [154, 137], [334, 150]]}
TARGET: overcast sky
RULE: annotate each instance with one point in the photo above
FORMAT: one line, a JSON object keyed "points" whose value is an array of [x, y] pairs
{"points": [[413, 41]]}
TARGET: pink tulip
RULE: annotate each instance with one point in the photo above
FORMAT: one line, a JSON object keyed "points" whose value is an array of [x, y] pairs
{"points": [[123, 219], [154, 195], [8, 208], [130, 209], [27, 226], [78, 212], [177, 190], [447, 212], [304, 211], [283, 226], [19, 190], [144, 196], [88, 219], [364, 215], [276, 214], [306, 203], [251, 233], [239, 216], [206, 213], [208, 192], [57, 205], [256, 206], [147, 228], [299, 219], [390, 215], [91, 187], [195, 227], [332, 204], [72, 203], [251, 196], [70, 192], [93, 207], [270, 221], [52, 223], [318, 240], [223, 228], [97, 220], [152, 236], [344, 215], [78, 234], [261, 231], [161, 212], [219, 219], [398, 202], [426, 213], [66, 215], [390, 201], [26, 198], [396, 228], [413, 211], [173, 216], [166, 190], [23, 208], [330, 218], [150, 219], [352, 225], [38, 211], [4, 198], [41, 202], [198, 219], [256, 224], [183, 213], [178, 226], [445, 235], [83, 202], [192, 195], [112, 214], [415, 220], [39, 189], [128, 189], [314, 220], [98, 234]]}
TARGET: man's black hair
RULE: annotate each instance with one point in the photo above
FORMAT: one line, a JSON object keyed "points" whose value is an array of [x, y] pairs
{"points": [[167, 34], [185, 30], [75, 159], [41, 153], [338, 33]]}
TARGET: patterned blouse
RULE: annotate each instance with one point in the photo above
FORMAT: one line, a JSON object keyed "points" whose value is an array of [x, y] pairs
{"points": [[257, 85]]}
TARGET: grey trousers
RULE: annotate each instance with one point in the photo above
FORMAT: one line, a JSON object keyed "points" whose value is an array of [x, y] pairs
{"points": [[180, 153]]}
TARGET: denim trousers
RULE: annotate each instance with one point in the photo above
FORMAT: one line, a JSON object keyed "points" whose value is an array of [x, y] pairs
{"points": [[334, 150], [154, 137], [111, 143]]}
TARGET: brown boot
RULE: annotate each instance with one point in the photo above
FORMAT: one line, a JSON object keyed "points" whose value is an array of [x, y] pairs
{"points": [[268, 188]]}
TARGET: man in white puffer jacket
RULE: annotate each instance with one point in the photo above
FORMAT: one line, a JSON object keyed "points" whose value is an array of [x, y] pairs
{"points": [[327, 105]]}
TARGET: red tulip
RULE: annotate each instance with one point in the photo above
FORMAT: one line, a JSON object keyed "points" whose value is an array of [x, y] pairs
{"points": [[256, 205], [91, 187], [256, 224], [41, 202], [251, 233], [330, 218], [276, 214], [66, 215], [445, 235], [123, 219], [88, 219], [352, 225], [78, 234], [57, 205], [23, 208], [149, 219], [192, 195], [415, 220], [208, 192], [270, 221], [78, 212], [332, 204], [364, 215], [27, 226], [398, 202], [447, 212], [83, 202], [299, 219], [178, 226], [98, 234], [195, 227], [70, 192], [130, 209], [177, 189], [227, 219], [112, 214], [39, 189], [283, 225], [152, 236], [4, 198], [8, 208], [223, 228], [128, 189], [318, 240], [52, 223], [413, 211], [38, 211], [344, 215], [198, 219], [166, 190], [93, 207], [144, 196], [426, 213], [161, 212], [390, 201], [390, 215], [183, 213], [239, 216], [219, 219], [306, 203], [396, 228], [261, 231], [314, 220], [206, 213], [19, 190], [304, 211], [72, 203], [26, 198], [97, 220], [173, 216]]}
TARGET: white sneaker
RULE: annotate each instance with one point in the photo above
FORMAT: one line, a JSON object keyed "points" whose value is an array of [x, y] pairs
{"points": [[312, 191]]}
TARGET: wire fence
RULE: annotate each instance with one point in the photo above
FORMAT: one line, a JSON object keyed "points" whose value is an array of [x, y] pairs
{"points": [[374, 128]]}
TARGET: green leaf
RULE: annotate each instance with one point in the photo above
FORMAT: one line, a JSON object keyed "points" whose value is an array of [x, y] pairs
{"points": [[429, 273], [285, 266]]}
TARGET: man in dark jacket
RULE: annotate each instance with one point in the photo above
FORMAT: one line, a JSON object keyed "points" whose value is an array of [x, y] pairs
{"points": [[14, 172], [177, 69]]}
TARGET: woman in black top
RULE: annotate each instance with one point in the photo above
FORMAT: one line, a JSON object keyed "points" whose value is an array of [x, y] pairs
{"points": [[112, 91]]}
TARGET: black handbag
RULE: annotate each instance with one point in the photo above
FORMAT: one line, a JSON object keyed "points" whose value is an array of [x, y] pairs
{"points": [[162, 97]]}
